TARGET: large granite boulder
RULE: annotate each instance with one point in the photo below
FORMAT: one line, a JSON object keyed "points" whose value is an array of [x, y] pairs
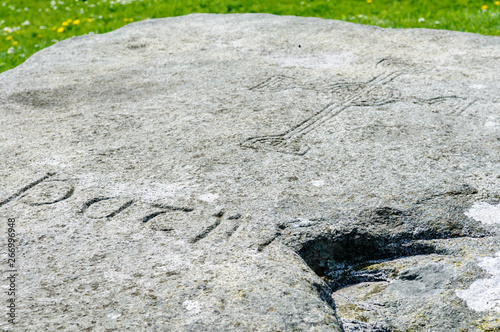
{"points": [[254, 173]]}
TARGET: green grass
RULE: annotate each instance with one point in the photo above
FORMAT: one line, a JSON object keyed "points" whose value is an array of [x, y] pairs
{"points": [[27, 26]]}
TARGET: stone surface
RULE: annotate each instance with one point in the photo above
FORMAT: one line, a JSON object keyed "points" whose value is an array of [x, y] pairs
{"points": [[255, 173]]}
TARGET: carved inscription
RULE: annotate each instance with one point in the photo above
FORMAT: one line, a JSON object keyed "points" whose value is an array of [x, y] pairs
{"points": [[105, 207], [25, 189], [168, 218], [48, 192], [373, 93]]}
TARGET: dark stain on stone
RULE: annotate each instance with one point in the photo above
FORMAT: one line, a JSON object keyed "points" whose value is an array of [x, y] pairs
{"points": [[136, 46], [43, 98]]}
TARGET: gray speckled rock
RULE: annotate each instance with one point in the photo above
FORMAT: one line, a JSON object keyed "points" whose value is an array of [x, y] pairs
{"points": [[232, 172]]}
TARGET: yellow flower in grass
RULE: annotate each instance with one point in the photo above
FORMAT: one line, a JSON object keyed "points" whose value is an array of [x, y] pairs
{"points": [[8, 38], [484, 7], [497, 3], [65, 24], [369, 1], [15, 42], [54, 28], [76, 22], [89, 20], [61, 29]]}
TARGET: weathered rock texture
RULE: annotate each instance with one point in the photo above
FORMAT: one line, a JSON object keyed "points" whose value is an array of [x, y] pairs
{"points": [[232, 172]]}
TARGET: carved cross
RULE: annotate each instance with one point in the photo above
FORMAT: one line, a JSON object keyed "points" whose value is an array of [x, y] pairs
{"points": [[371, 93]]}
